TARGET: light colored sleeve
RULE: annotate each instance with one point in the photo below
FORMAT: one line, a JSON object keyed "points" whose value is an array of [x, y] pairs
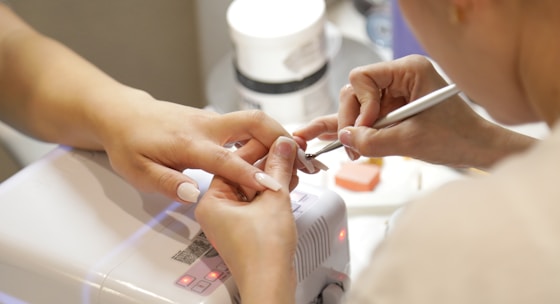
{"points": [[494, 239]]}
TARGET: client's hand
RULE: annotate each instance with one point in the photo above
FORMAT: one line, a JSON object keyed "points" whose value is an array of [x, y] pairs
{"points": [[256, 238]]}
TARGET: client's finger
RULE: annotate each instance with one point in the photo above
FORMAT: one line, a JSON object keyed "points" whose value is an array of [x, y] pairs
{"points": [[280, 162]]}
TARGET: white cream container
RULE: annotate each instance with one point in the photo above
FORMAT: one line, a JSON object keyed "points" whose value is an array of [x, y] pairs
{"points": [[281, 61]]}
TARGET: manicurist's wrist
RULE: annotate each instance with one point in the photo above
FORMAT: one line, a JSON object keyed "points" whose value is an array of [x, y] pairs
{"points": [[501, 143]]}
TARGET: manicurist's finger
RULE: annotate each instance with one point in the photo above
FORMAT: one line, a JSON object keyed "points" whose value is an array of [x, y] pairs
{"points": [[320, 126]]}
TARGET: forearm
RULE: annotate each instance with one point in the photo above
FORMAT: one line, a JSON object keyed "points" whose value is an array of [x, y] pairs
{"points": [[49, 92]]}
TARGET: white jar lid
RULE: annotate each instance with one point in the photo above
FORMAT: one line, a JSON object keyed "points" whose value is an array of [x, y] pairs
{"points": [[254, 20], [278, 41]]}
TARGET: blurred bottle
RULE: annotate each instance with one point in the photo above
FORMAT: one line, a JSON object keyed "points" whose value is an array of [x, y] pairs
{"points": [[378, 21], [387, 28]]}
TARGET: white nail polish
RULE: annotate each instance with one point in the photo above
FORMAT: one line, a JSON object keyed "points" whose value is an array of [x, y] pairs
{"points": [[188, 192], [319, 165], [267, 181]]}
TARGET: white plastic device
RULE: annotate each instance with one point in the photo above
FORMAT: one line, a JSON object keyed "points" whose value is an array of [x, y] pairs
{"points": [[72, 231]]}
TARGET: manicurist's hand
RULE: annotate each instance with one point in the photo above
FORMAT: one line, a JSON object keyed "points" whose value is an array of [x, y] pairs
{"points": [[450, 133], [256, 238]]}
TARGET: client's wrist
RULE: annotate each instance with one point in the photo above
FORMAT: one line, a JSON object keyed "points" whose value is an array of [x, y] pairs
{"points": [[271, 283]]}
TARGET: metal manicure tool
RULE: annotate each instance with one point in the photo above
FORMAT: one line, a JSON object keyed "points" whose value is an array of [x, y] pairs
{"points": [[410, 109]]}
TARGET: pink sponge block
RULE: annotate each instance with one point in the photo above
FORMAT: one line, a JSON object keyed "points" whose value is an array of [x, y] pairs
{"points": [[358, 176]]}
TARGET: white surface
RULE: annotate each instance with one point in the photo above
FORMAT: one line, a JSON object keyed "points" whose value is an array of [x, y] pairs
{"points": [[72, 231], [24, 149]]}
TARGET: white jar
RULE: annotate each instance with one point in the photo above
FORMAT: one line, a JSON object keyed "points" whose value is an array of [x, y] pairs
{"points": [[281, 61]]}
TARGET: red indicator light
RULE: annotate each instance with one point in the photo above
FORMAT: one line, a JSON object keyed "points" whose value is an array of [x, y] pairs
{"points": [[342, 234], [185, 280], [213, 275]]}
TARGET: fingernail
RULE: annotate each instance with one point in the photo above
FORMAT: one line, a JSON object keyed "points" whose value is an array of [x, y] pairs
{"points": [[267, 181], [345, 137], [358, 121], [353, 155], [309, 167], [188, 192], [284, 146]]}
